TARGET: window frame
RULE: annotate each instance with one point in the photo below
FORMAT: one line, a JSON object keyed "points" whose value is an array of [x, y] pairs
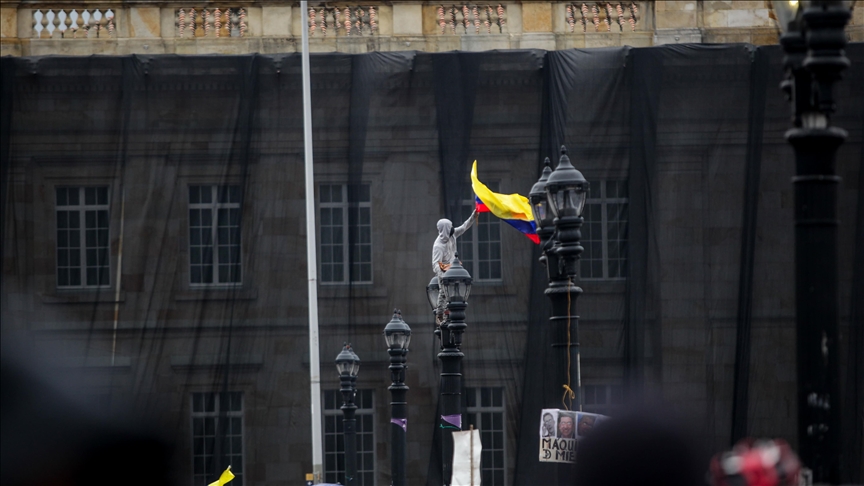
{"points": [[603, 201], [479, 409], [216, 415], [344, 206], [214, 205], [82, 209], [337, 412], [473, 238], [610, 404]]}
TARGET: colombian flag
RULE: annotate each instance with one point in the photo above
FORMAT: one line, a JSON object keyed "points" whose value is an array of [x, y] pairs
{"points": [[512, 208]]}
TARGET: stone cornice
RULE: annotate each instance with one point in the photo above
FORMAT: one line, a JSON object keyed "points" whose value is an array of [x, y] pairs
{"points": [[172, 27]]}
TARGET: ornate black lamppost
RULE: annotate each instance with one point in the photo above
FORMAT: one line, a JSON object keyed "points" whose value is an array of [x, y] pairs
{"points": [[540, 207], [457, 287], [813, 41], [348, 364], [398, 336], [557, 201]]}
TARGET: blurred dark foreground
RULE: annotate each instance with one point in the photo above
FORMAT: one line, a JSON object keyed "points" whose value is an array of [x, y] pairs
{"points": [[647, 447], [51, 437]]}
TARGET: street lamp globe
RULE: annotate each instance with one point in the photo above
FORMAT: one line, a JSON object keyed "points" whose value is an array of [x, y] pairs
{"points": [[539, 201], [457, 282], [432, 292], [397, 333], [566, 189], [347, 362]]}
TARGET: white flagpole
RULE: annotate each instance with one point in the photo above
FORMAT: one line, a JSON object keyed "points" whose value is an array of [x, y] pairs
{"points": [[311, 261]]}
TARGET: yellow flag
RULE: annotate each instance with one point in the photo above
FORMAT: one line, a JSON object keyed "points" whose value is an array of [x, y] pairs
{"points": [[224, 478], [504, 206]]}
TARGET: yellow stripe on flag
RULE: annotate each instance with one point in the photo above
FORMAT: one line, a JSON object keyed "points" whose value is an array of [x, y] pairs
{"points": [[224, 478], [505, 206]]}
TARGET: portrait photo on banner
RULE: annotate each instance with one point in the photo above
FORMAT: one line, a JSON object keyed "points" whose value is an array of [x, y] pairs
{"points": [[549, 424], [561, 430]]}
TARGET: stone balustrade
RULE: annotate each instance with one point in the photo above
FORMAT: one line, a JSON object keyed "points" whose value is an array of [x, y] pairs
{"points": [[335, 20], [602, 16], [73, 23], [118, 27], [215, 22], [466, 19]]}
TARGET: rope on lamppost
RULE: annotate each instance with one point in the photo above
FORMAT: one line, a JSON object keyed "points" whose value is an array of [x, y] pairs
{"points": [[569, 394]]}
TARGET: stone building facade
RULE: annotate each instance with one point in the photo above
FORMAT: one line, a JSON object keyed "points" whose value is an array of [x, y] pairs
{"points": [[118, 28], [170, 351]]}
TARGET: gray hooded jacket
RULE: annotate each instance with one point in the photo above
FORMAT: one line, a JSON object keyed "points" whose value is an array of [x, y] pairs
{"points": [[444, 248]]}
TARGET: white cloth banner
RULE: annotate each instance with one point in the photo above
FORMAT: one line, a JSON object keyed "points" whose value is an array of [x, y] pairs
{"points": [[466, 458]]}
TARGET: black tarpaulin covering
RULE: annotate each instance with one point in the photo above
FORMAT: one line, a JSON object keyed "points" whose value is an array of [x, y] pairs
{"points": [[693, 304]]}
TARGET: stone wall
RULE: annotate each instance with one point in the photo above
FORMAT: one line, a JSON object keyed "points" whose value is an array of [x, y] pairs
{"points": [[274, 27]]}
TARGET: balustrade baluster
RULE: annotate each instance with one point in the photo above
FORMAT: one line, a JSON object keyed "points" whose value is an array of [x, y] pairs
{"points": [[358, 14], [199, 24], [441, 22], [620, 11], [584, 11], [346, 15], [608, 19], [235, 23], [323, 22], [81, 26], [44, 34], [487, 22], [453, 20], [67, 23], [226, 23], [71, 23], [475, 13], [93, 30], [466, 18], [242, 22], [100, 24], [110, 16], [190, 22], [55, 25], [336, 23]]}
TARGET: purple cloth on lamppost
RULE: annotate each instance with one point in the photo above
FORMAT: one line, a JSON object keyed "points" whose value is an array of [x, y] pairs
{"points": [[455, 420], [401, 423]]}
